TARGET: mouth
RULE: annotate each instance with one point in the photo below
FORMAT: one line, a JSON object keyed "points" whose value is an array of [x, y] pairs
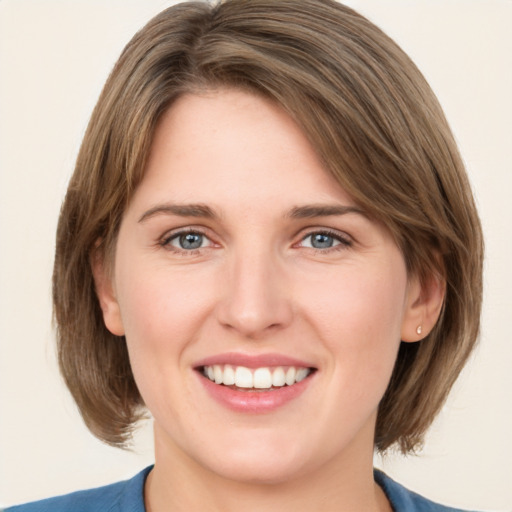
{"points": [[255, 383], [260, 379]]}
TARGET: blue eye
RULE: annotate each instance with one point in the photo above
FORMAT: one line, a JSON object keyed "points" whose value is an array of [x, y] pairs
{"points": [[323, 240], [191, 241], [188, 241]]}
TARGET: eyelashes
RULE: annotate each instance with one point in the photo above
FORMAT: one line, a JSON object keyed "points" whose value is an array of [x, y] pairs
{"points": [[325, 240], [186, 241], [192, 241]]}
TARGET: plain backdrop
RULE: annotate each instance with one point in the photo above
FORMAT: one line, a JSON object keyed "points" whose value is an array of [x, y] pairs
{"points": [[54, 58]]}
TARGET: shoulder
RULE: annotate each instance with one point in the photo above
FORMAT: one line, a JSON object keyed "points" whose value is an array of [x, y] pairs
{"points": [[125, 496], [404, 500]]}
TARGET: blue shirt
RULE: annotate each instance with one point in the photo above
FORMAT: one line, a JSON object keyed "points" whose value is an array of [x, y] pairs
{"points": [[128, 496]]}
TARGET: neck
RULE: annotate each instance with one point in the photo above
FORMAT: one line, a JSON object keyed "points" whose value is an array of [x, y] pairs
{"points": [[180, 484]]}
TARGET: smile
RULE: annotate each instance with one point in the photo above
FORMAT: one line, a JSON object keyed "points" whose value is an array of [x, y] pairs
{"points": [[263, 378], [255, 383]]}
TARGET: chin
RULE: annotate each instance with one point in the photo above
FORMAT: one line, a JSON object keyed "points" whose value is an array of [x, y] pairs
{"points": [[260, 460], [259, 470]]}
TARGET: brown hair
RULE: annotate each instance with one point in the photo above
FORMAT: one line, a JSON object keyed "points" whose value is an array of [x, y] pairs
{"points": [[373, 120]]}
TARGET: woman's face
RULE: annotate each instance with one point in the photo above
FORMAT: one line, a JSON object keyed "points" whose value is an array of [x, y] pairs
{"points": [[242, 267]]}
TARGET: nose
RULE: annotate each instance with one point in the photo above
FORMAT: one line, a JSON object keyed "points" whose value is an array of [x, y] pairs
{"points": [[255, 299]]}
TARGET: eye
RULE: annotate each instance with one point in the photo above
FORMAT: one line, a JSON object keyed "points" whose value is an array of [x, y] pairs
{"points": [[324, 240], [187, 241]]}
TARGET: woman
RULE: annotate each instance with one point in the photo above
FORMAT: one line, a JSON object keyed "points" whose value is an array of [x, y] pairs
{"points": [[269, 242]]}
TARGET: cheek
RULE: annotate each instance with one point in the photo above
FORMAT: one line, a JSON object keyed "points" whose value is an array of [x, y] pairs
{"points": [[161, 312], [359, 320], [363, 305], [162, 308]]}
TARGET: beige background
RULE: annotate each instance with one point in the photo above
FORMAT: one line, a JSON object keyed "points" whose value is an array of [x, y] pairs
{"points": [[54, 58]]}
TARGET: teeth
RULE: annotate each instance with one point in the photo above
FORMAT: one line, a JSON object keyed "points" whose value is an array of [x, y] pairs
{"points": [[229, 376], [218, 374], [290, 376], [278, 378], [302, 373], [243, 377], [259, 378], [262, 378]]}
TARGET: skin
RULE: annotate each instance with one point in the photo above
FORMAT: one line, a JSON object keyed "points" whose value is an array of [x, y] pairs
{"points": [[257, 286]]}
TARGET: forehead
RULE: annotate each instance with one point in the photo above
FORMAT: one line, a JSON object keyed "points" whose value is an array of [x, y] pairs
{"points": [[224, 144]]}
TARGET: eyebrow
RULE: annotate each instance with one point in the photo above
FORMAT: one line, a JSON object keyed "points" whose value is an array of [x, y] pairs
{"points": [[200, 210], [323, 210], [180, 210]]}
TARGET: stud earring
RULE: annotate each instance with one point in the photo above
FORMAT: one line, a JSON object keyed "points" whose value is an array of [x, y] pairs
{"points": [[418, 329]]}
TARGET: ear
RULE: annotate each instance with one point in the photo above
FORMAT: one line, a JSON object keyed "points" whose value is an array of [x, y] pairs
{"points": [[424, 303], [106, 293]]}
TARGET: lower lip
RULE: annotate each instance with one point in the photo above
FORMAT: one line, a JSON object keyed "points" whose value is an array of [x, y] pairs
{"points": [[255, 402]]}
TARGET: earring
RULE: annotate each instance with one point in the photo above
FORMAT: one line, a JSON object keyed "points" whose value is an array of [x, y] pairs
{"points": [[418, 330]]}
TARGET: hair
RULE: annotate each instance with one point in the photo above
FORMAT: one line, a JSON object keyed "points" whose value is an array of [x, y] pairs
{"points": [[372, 119]]}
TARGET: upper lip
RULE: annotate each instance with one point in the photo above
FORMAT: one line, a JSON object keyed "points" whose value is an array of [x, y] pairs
{"points": [[253, 360]]}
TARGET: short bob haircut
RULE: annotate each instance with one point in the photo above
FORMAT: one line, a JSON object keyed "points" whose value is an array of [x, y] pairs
{"points": [[373, 121]]}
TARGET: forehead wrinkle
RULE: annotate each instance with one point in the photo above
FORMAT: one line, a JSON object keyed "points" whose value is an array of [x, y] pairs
{"points": [[198, 210]]}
